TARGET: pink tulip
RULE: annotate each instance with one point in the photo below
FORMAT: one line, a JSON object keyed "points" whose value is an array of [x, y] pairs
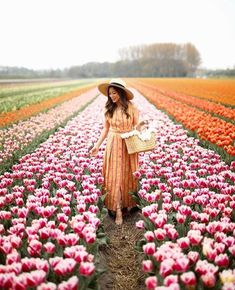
{"points": [[12, 257], [71, 284], [188, 199], [54, 261], [81, 256], [160, 221], [189, 279], [71, 239], [160, 234], [229, 241], [34, 248], [222, 260], [181, 264], [171, 279], [151, 282], [19, 283], [140, 224], [94, 209], [194, 237], [44, 233], [208, 279], [41, 264], [193, 256], [228, 286], [65, 266], [166, 267], [185, 210], [28, 264], [86, 268], [2, 229], [147, 265], [220, 247], [232, 250], [137, 174], [149, 236], [78, 226], [176, 205], [203, 267], [149, 248], [90, 237], [62, 227], [6, 280], [184, 242], [180, 218], [47, 286], [172, 234], [61, 217], [35, 278], [5, 215], [6, 247]]}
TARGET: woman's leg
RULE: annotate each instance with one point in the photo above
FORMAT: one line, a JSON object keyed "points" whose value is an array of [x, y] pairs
{"points": [[119, 219]]}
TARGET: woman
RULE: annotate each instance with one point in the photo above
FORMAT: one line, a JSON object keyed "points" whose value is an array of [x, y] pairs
{"points": [[121, 116]]}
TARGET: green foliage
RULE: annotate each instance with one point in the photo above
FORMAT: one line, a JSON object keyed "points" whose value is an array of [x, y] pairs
{"points": [[14, 99]]}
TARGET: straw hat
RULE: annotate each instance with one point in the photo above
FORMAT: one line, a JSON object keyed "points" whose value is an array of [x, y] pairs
{"points": [[103, 88]]}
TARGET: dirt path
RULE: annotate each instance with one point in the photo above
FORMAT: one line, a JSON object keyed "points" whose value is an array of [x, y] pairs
{"points": [[120, 258]]}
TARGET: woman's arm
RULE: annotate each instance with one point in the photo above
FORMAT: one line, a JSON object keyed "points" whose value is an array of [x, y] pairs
{"points": [[137, 123], [136, 116], [103, 135]]}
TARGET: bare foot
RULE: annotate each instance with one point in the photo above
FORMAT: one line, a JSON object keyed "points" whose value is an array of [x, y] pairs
{"points": [[118, 219]]}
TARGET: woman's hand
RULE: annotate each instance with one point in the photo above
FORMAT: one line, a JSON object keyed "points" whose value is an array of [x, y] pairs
{"points": [[140, 125], [94, 151]]}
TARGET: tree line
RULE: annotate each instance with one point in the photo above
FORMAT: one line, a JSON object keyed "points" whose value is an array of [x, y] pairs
{"points": [[152, 60]]}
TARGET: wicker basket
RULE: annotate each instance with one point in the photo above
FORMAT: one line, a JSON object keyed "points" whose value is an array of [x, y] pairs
{"points": [[135, 144]]}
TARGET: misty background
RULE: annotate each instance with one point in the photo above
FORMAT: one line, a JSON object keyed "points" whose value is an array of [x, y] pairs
{"points": [[153, 38]]}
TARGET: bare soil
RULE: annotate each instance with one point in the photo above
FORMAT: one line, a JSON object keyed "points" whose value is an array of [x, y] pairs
{"points": [[120, 258]]}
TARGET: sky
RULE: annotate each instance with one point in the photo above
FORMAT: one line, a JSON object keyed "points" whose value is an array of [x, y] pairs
{"points": [[51, 34]]}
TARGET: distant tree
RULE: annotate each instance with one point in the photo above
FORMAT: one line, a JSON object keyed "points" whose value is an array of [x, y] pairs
{"points": [[192, 57], [152, 60]]}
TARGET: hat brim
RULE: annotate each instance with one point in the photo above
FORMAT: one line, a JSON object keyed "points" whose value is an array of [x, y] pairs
{"points": [[103, 88]]}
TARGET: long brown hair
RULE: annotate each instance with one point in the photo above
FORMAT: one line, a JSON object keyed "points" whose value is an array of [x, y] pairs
{"points": [[110, 106]]}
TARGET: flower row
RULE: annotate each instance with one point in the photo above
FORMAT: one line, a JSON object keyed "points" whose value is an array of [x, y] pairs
{"points": [[51, 211], [187, 197], [27, 111], [216, 90], [24, 132], [207, 127], [202, 104]]}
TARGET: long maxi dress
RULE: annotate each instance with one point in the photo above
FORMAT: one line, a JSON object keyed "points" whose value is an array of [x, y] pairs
{"points": [[118, 165]]}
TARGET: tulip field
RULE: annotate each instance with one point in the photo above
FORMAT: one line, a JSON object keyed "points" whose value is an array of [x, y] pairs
{"points": [[52, 212], [199, 111]]}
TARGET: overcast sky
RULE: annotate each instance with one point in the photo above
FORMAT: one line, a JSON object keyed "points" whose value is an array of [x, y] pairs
{"points": [[61, 33]]}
